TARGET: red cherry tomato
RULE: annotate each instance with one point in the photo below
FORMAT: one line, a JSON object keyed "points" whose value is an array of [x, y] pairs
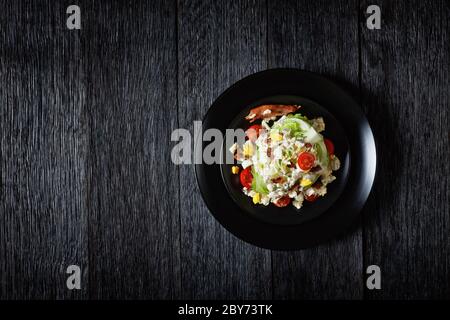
{"points": [[246, 177], [330, 146], [253, 132], [282, 202], [306, 160], [311, 198]]}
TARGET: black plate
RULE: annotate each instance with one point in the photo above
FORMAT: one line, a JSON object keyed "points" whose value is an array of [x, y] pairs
{"points": [[288, 228]]}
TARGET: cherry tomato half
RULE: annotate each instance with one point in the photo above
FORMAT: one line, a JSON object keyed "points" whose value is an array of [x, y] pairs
{"points": [[329, 145], [306, 160], [253, 132], [282, 202], [246, 177], [311, 198]]}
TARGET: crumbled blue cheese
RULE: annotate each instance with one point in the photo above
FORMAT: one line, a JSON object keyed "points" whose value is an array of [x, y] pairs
{"points": [[318, 124], [246, 163], [327, 179], [292, 194], [265, 125], [309, 192], [298, 201], [335, 163]]}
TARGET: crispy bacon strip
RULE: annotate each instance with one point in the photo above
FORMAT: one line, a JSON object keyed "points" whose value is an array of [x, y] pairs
{"points": [[270, 110]]}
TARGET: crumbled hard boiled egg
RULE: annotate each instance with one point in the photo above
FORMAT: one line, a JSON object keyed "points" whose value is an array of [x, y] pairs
{"points": [[275, 136], [305, 182], [248, 149]]}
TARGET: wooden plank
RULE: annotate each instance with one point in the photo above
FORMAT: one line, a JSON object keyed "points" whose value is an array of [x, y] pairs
{"points": [[319, 36], [405, 82], [130, 62], [43, 215], [219, 43]]}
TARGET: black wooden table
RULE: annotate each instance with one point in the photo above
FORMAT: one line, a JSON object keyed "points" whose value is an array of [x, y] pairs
{"points": [[86, 118]]}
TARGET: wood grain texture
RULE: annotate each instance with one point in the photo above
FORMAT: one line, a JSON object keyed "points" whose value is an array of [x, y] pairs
{"points": [[319, 36], [219, 42], [86, 118], [405, 90], [43, 215], [130, 61]]}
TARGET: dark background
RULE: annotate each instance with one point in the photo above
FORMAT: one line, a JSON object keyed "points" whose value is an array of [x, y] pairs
{"points": [[86, 118]]}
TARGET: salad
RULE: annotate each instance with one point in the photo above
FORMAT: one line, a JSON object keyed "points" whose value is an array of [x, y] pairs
{"points": [[284, 160]]}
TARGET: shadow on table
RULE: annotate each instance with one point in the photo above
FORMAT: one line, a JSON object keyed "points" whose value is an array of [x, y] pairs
{"points": [[388, 144]]}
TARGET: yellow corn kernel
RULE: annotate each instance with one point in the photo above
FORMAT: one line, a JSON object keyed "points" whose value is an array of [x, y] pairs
{"points": [[256, 198], [234, 169], [305, 182], [275, 136], [247, 149]]}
